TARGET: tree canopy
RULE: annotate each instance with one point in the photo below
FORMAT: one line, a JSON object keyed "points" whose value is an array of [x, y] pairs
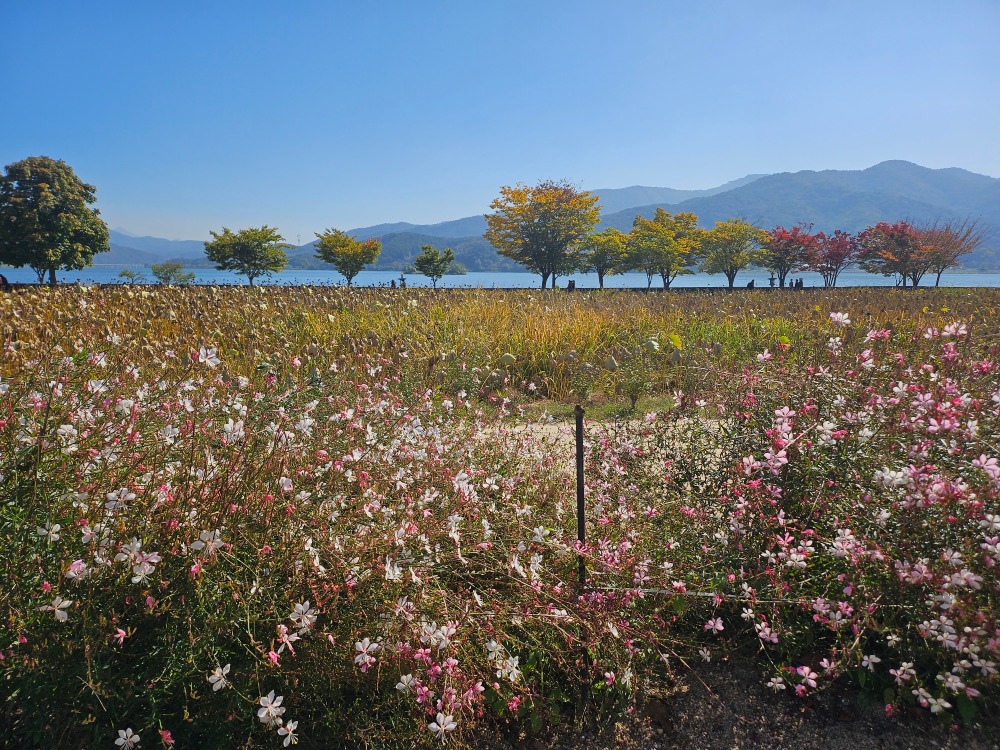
{"points": [[541, 227], [434, 263], [171, 272], [730, 246], [788, 250], [45, 219], [665, 245], [947, 241], [605, 253], [345, 253], [891, 249], [832, 253], [251, 252]]}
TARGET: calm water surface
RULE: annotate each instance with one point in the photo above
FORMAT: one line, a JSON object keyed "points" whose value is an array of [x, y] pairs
{"points": [[109, 275]]}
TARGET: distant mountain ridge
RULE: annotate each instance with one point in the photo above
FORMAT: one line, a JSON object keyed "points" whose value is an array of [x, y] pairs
{"points": [[829, 199]]}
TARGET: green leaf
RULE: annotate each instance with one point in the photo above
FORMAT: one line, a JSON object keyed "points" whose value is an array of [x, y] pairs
{"points": [[967, 708]]}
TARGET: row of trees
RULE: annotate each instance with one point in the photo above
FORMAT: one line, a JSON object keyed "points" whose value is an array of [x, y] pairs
{"points": [[46, 223], [260, 251], [548, 229]]}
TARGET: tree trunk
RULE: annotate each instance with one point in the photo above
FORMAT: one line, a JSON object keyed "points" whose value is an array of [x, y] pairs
{"points": [[732, 278], [52, 276], [545, 279], [937, 281], [781, 279], [600, 279]]}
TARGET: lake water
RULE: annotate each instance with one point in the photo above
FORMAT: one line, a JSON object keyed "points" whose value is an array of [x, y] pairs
{"points": [[109, 275]]}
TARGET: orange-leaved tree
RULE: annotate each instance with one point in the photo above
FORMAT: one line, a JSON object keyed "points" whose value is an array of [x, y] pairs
{"points": [[948, 241], [891, 249]]}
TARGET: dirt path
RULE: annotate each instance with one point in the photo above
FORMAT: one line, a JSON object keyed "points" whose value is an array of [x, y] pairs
{"points": [[741, 714]]}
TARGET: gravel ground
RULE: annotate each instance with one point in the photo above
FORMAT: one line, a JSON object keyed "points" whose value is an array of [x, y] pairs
{"points": [[733, 711]]}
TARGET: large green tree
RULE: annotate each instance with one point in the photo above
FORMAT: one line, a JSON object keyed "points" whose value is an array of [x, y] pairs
{"points": [[345, 253], [434, 263], [605, 253], [251, 252], [541, 227], [665, 245], [46, 222], [730, 246]]}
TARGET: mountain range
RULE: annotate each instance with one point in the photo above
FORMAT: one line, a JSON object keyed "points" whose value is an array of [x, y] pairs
{"points": [[829, 199]]}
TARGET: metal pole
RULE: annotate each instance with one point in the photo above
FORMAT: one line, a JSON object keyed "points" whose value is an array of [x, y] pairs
{"points": [[581, 521], [581, 535]]}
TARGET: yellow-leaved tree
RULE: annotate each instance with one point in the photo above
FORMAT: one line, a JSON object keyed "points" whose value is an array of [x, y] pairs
{"points": [[665, 245], [730, 246], [345, 253], [541, 227]]}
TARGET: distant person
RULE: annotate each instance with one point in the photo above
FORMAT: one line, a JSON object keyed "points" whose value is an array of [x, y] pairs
{"points": [[771, 281], [4, 284], [392, 284], [750, 284], [571, 285]]}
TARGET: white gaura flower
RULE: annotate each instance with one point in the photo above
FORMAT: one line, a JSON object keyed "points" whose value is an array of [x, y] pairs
{"points": [[58, 607], [127, 739], [303, 616], [288, 732], [49, 532], [405, 684], [210, 541], [209, 356], [218, 678], [443, 725], [270, 709]]}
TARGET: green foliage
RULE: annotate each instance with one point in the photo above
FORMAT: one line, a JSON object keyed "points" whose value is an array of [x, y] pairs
{"points": [[132, 277], [45, 219], [251, 252], [345, 253], [171, 272], [665, 245], [730, 246], [605, 254], [434, 263]]}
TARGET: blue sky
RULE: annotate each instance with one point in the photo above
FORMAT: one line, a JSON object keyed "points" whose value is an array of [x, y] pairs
{"points": [[191, 115]]}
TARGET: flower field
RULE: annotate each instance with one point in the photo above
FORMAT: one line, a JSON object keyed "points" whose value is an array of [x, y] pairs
{"points": [[275, 516]]}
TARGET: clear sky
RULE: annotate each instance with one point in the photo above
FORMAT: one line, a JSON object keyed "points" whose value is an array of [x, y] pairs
{"points": [[307, 114]]}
